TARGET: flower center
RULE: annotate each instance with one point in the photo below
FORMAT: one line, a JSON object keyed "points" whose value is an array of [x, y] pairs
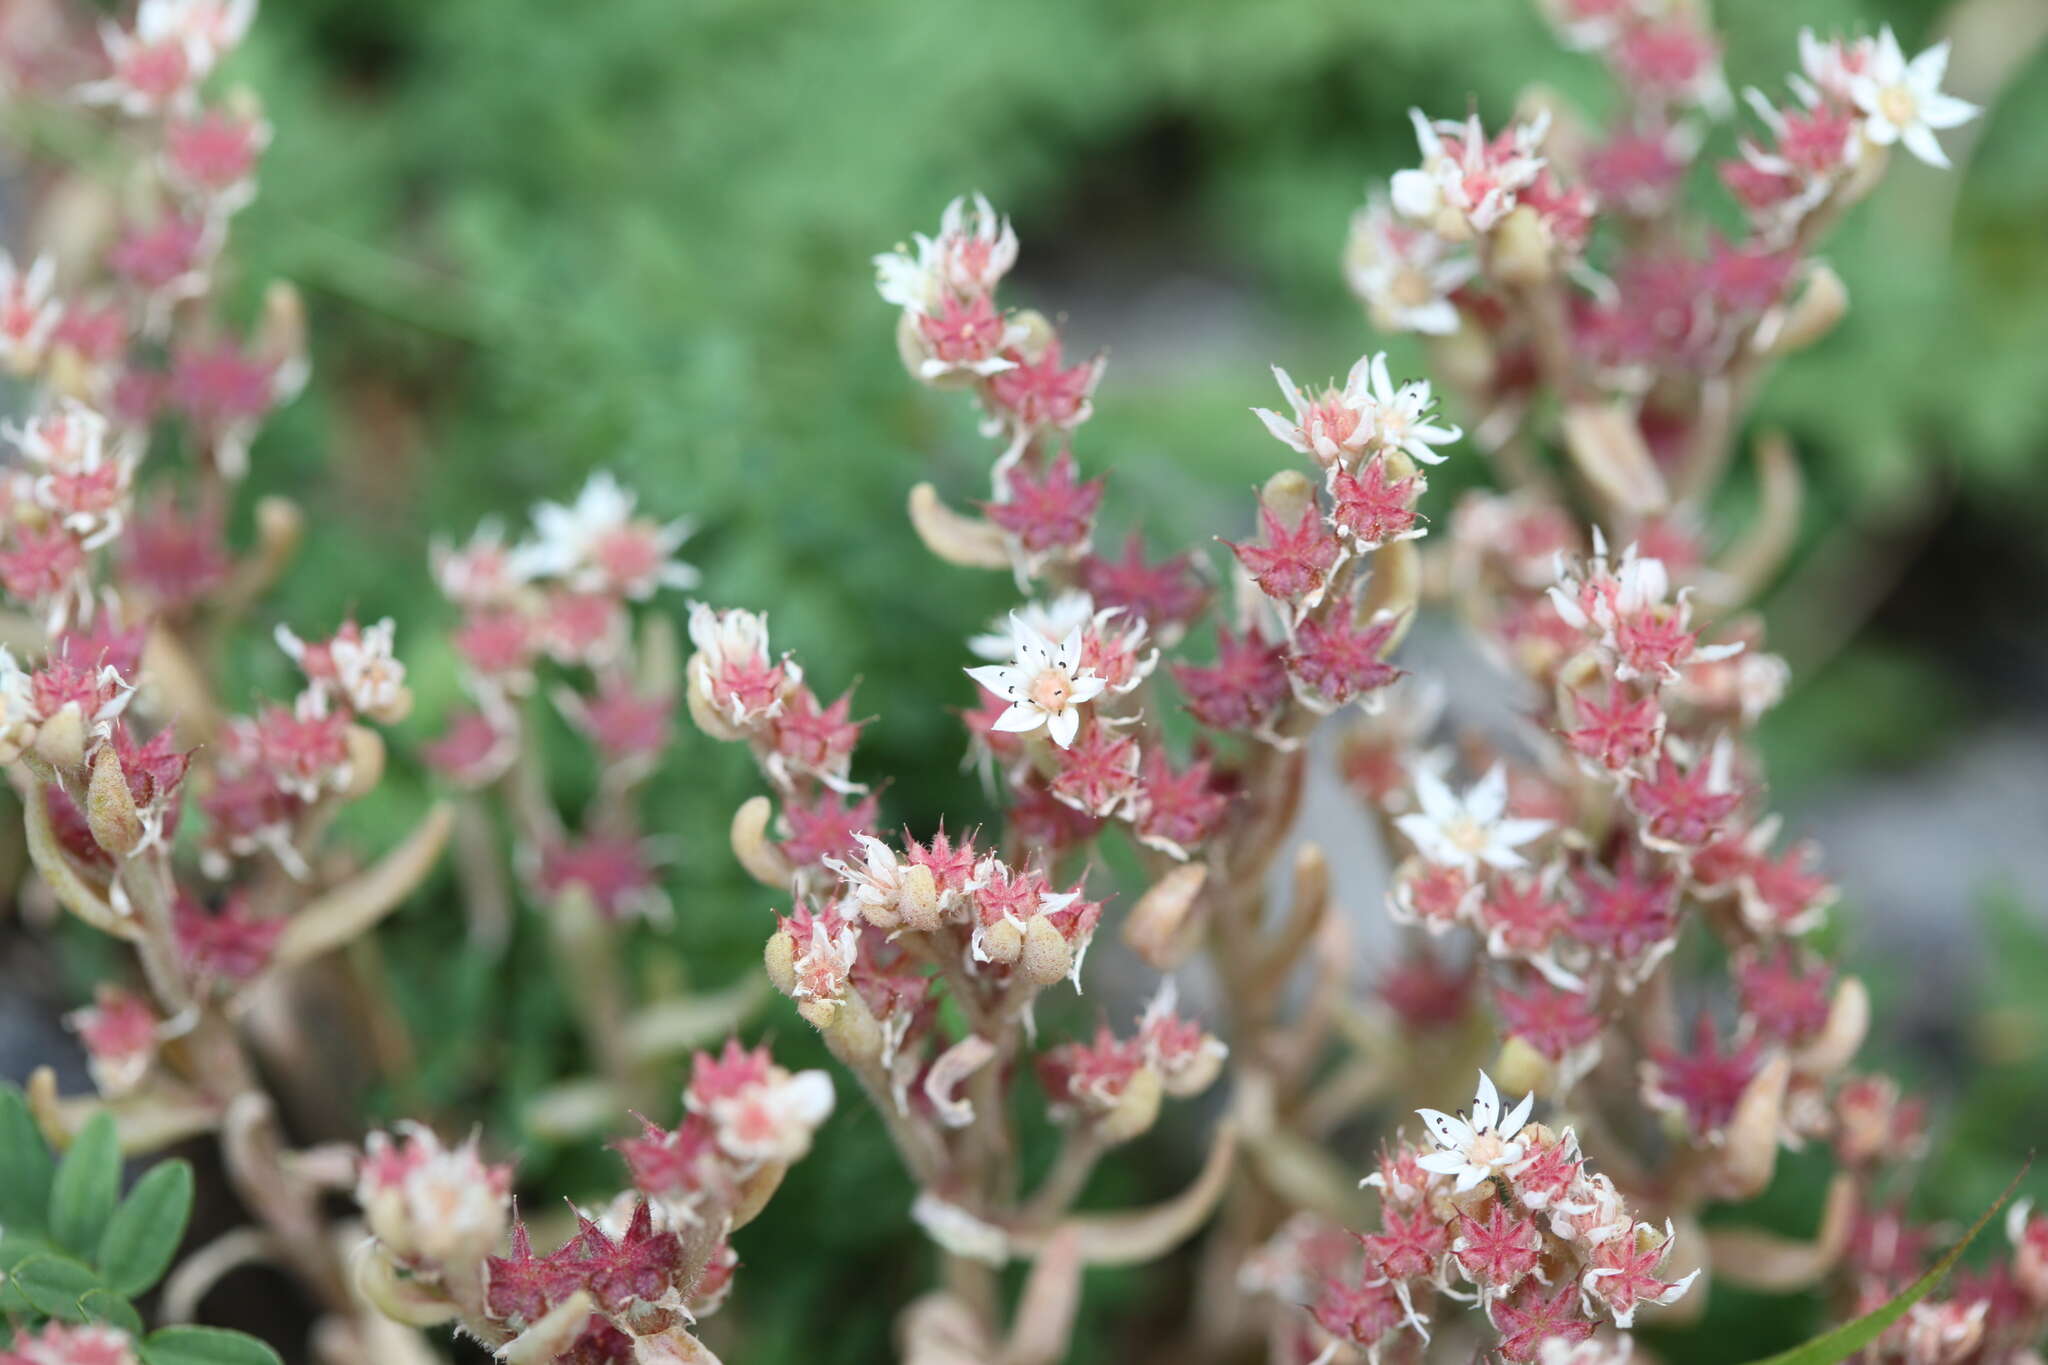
{"points": [[1898, 106], [1050, 690]]}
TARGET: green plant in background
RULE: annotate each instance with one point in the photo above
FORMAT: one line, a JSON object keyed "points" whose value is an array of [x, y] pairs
{"points": [[76, 1252]]}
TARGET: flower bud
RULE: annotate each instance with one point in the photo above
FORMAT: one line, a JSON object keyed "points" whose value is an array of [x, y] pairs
{"points": [[918, 899], [1002, 941], [60, 739], [110, 806], [1520, 1066], [852, 1031], [1287, 495], [1045, 956], [1521, 249], [1136, 1109], [779, 957], [365, 762]]}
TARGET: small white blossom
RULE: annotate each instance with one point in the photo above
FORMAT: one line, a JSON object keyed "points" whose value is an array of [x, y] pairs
{"points": [[975, 248], [1402, 421], [1472, 1148], [1050, 621], [1044, 685], [597, 544], [1405, 275], [369, 672], [1463, 832], [772, 1122], [1902, 101]]}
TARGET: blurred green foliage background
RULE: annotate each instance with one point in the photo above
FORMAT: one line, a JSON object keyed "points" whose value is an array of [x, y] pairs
{"points": [[541, 238]]}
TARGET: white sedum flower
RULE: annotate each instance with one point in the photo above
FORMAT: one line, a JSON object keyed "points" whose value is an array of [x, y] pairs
{"points": [[1902, 101], [1405, 275], [1044, 685], [772, 1122], [1402, 421], [1465, 831], [1474, 1148], [1049, 621], [596, 543]]}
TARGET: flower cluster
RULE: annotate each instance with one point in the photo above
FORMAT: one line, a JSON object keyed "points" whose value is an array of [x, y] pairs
{"points": [[630, 1283], [1503, 1214]]}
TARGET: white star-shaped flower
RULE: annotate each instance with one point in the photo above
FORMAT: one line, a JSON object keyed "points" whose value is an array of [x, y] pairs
{"points": [[1902, 101], [1045, 685], [1402, 420], [1473, 1148], [1463, 832]]}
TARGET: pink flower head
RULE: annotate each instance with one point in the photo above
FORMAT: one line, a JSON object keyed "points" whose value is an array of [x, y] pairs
{"points": [[1630, 912], [1337, 660], [615, 870], [598, 544], [473, 751], [1039, 395], [499, 644], [59, 1343], [430, 1205], [771, 1118], [731, 673], [1177, 811], [1619, 733], [45, 567], [1702, 1086], [1098, 772], [1465, 178], [119, 1031], [674, 1166], [623, 722], [1091, 1076], [305, 746], [1784, 993], [1165, 595], [29, 314], [1682, 809], [230, 944], [965, 336], [1498, 1253], [1187, 1056], [167, 258], [1410, 1248], [213, 153], [975, 247], [1243, 689], [817, 740], [1533, 1316], [1049, 512], [174, 556], [1291, 564], [1361, 1314], [1623, 1275], [1556, 1021], [825, 824], [582, 629], [1372, 510]]}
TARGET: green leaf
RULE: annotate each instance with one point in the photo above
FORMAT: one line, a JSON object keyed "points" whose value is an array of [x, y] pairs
{"points": [[56, 1286], [104, 1305], [87, 1184], [1851, 1337], [144, 1233], [25, 1165], [204, 1346]]}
